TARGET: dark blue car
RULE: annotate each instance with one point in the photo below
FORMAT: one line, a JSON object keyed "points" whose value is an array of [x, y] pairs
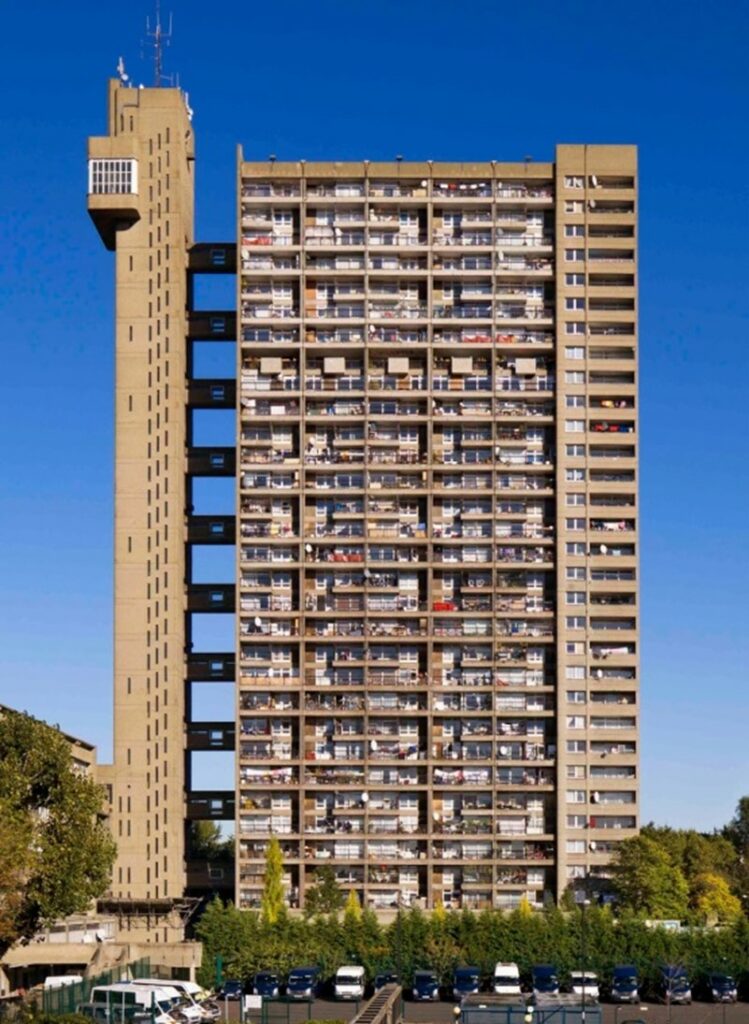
{"points": [[545, 980], [465, 982], [426, 986], [267, 983], [303, 983], [625, 985]]}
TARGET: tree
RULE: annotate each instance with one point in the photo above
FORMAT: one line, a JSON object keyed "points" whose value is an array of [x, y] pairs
{"points": [[326, 895], [646, 880], [737, 829], [56, 853], [272, 905], [208, 843], [352, 910], [712, 899]]}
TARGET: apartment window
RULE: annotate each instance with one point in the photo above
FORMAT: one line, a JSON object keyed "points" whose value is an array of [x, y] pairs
{"points": [[573, 206], [574, 181], [574, 672], [574, 426], [576, 746], [575, 451], [575, 499], [575, 846], [574, 474], [574, 303], [575, 548], [575, 597], [576, 796], [574, 255], [574, 377], [576, 697], [112, 177], [576, 871], [574, 230], [574, 647], [575, 771], [574, 280], [574, 327], [575, 401], [575, 622], [577, 821], [575, 524], [574, 351]]}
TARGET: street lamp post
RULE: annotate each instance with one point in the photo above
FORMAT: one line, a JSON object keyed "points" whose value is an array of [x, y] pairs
{"points": [[584, 904]]}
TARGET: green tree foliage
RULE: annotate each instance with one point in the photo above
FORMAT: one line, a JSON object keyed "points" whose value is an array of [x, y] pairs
{"points": [[443, 941], [56, 854], [712, 900], [208, 843], [273, 905], [326, 895], [647, 881], [737, 830]]}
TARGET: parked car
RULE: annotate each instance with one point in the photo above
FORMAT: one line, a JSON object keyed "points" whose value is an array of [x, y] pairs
{"points": [[506, 979], [267, 984], [303, 983], [722, 988], [674, 985], [625, 984], [585, 983], [232, 989], [465, 982], [426, 986], [386, 979], [349, 982], [545, 980]]}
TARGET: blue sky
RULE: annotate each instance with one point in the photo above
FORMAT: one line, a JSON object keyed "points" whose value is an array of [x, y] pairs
{"points": [[331, 79]]}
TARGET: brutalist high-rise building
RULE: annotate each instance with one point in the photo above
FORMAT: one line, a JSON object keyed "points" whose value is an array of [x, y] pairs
{"points": [[435, 593]]}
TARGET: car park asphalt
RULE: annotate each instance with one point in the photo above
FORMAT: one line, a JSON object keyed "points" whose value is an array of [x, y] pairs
{"points": [[442, 1013]]}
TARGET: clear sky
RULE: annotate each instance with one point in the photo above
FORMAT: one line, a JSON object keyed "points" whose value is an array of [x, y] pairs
{"points": [[327, 79]]}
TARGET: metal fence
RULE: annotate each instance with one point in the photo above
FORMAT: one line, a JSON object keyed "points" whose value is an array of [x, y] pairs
{"points": [[67, 998], [537, 1014]]}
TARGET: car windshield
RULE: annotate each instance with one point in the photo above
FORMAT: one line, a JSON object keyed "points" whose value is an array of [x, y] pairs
{"points": [[299, 978], [424, 978], [348, 979], [723, 981], [267, 978]]}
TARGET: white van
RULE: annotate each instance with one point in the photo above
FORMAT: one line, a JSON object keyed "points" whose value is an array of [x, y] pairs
{"points": [[349, 982], [506, 979], [61, 980], [185, 995], [585, 983], [124, 999]]}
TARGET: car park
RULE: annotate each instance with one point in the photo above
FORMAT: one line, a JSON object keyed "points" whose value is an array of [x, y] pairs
{"points": [[466, 981], [426, 986], [303, 983], [266, 984], [625, 984]]}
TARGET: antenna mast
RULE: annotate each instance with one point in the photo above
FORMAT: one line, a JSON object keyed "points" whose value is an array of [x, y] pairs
{"points": [[161, 39]]}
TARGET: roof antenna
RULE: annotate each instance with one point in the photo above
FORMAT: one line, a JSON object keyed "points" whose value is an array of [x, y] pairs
{"points": [[161, 39], [122, 74]]}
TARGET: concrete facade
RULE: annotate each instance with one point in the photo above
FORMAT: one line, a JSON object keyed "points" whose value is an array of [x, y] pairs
{"points": [[435, 657]]}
